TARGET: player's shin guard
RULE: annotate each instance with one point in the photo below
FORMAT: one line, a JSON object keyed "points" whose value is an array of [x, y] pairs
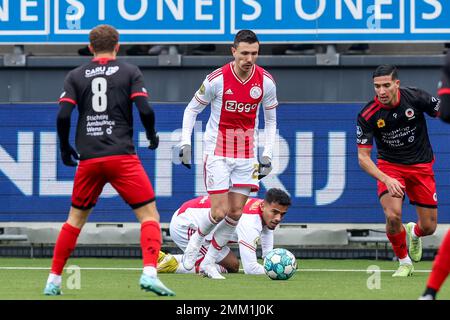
{"points": [[222, 235], [150, 242], [398, 242], [441, 265], [205, 224], [64, 246]]}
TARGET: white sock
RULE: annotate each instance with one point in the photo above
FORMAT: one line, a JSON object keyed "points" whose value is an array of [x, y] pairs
{"points": [[406, 260], [206, 223], [211, 255], [225, 231], [150, 271], [178, 257], [55, 279], [222, 234]]}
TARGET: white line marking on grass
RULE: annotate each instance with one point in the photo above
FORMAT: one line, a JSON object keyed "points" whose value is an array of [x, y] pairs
{"points": [[353, 270], [241, 270], [87, 268]]}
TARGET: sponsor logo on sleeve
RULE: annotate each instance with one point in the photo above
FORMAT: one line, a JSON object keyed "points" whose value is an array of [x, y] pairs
{"points": [[359, 131], [202, 90]]}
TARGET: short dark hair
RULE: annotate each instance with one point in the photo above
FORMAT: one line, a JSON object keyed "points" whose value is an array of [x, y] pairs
{"points": [[103, 38], [247, 36], [277, 196], [386, 70]]}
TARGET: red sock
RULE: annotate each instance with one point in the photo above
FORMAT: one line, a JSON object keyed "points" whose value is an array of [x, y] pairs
{"points": [[398, 242], [150, 242], [64, 246], [418, 231], [441, 265]]}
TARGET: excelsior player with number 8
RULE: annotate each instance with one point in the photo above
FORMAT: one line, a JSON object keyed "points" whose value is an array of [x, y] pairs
{"points": [[104, 91], [230, 151]]}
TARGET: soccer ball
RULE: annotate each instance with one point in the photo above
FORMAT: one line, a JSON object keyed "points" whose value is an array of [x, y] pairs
{"points": [[280, 264]]}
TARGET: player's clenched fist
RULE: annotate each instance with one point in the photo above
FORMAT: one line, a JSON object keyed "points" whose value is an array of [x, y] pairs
{"points": [[265, 167], [153, 141], [66, 156]]}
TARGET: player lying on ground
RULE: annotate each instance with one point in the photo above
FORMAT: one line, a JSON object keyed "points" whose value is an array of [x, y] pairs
{"points": [[259, 219]]}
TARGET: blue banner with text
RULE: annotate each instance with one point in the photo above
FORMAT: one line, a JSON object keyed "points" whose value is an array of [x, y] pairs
{"points": [[315, 161], [217, 21]]}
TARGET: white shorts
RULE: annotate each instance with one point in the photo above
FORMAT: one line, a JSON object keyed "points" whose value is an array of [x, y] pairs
{"points": [[222, 174], [183, 226]]}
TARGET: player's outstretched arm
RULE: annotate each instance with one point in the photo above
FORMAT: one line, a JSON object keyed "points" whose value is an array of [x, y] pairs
{"points": [[63, 128], [249, 260], [147, 116], [266, 241]]}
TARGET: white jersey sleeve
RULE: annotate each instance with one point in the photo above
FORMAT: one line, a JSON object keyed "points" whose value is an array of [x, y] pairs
{"points": [[269, 104], [249, 232], [201, 99], [266, 241]]}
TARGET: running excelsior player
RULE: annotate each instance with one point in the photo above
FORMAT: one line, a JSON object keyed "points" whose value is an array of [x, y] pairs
{"points": [[396, 120], [441, 264], [104, 91], [231, 169], [259, 218]]}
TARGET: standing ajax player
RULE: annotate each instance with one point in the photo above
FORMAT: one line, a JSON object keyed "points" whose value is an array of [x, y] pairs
{"points": [[230, 150], [104, 91], [396, 120], [441, 264]]}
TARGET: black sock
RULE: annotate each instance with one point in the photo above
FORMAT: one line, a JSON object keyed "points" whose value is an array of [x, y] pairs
{"points": [[430, 291]]}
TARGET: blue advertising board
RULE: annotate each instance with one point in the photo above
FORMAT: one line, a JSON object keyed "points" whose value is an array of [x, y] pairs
{"points": [[315, 161], [217, 21]]}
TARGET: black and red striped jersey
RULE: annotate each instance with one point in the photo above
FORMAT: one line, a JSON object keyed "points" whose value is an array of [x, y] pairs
{"points": [[400, 132], [444, 91], [103, 91]]}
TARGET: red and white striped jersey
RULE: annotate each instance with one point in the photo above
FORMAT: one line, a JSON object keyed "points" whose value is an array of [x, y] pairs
{"points": [[232, 128]]}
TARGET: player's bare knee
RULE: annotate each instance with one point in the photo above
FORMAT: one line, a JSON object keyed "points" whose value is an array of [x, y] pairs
{"points": [[428, 229], [235, 213], [218, 213]]}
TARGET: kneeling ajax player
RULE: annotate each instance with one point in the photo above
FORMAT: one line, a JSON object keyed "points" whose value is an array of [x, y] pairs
{"points": [[260, 217]]}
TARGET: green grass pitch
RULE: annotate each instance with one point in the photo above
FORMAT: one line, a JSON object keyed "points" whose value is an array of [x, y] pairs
{"points": [[117, 279]]}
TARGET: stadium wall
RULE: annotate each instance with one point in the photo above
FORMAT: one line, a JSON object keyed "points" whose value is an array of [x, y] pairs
{"points": [[314, 78]]}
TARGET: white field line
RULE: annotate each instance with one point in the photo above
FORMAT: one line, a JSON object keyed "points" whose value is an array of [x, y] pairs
{"points": [[138, 269]]}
